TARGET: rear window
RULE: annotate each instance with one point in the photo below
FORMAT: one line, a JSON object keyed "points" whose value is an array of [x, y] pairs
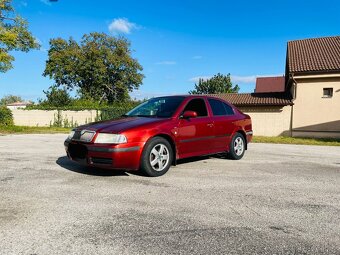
{"points": [[219, 108]]}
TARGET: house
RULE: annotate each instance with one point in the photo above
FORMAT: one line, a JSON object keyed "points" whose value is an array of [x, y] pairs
{"points": [[313, 79], [17, 105], [303, 103]]}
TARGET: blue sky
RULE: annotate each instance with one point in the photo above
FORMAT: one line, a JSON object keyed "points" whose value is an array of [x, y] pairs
{"points": [[175, 41]]}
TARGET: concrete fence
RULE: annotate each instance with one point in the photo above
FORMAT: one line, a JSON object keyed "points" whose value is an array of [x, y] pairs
{"points": [[43, 118]]}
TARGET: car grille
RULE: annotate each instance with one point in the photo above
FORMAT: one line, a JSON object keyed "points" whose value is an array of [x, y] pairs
{"points": [[83, 135], [77, 151]]}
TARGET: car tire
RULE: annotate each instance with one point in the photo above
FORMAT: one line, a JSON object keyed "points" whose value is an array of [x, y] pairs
{"points": [[237, 147], [157, 157]]}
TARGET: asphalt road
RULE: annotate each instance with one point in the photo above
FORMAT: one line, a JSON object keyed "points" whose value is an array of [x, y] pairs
{"points": [[279, 199]]}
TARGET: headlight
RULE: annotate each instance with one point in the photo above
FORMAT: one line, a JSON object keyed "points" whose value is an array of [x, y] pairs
{"points": [[110, 138], [71, 134]]}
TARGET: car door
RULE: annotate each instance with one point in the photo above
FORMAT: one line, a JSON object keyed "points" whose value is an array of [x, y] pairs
{"points": [[195, 134], [223, 117]]}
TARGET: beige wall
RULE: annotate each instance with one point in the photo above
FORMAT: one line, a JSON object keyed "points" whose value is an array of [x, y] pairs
{"points": [[46, 118], [314, 115], [81, 117], [269, 121]]}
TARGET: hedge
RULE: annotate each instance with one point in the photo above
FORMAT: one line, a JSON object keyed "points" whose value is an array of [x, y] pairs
{"points": [[6, 117], [81, 105]]}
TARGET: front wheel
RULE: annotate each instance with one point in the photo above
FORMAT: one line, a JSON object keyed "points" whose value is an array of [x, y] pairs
{"points": [[237, 147], [156, 157]]}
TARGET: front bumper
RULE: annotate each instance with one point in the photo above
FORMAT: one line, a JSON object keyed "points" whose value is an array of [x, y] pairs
{"points": [[122, 156]]}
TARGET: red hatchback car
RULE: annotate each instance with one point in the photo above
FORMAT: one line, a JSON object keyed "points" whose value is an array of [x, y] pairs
{"points": [[158, 132]]}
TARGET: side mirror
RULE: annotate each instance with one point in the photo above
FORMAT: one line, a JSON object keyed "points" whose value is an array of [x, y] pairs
{"points": [[189, 114]]}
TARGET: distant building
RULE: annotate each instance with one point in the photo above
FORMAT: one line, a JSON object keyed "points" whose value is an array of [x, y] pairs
{"points": [[18, 105]]}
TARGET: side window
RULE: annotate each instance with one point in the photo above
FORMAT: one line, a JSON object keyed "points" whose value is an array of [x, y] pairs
{"points": [[197, 105], [228, 109], [217, 107]]}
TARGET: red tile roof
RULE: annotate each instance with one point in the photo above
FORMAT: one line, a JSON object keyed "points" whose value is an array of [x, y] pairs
{"points": [[257, 99], [314, 55], [270, 84]]}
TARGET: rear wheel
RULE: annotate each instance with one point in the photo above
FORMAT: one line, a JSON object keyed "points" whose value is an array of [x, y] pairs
{"points": [[237, 146], [157, 157]]}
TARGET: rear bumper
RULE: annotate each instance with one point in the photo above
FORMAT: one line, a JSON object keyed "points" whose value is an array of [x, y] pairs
{"points": [[249, 135], [123, 156]]}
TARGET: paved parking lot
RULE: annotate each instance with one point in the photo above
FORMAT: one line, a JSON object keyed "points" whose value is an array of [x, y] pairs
{"points": [[279, 199]]}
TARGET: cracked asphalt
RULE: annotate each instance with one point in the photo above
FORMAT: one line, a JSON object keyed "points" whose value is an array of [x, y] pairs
{"points": [[279, 199]]}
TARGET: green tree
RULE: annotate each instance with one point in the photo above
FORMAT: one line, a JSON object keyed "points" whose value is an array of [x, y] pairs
{"points": [[100, 67], [14, 35], [57, 97], [218, 84], [9, 99]]}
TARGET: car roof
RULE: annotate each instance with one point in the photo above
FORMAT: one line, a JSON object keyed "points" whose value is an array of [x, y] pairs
{"points": [[189, 96], [194, 96]]}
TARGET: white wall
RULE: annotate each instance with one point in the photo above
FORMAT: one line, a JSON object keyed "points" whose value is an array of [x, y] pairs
{"points": [[269, 121], [46, 118]]}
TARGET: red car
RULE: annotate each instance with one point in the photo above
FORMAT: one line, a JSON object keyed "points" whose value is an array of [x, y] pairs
{"points": [[158, 132]]}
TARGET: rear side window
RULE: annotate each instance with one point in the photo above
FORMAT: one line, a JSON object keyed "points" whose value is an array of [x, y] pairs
{"points": [[228, 109], [219, 108], [197, 105]]}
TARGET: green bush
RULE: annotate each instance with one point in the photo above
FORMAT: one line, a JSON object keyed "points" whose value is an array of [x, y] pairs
{"points": [[6, 117]]}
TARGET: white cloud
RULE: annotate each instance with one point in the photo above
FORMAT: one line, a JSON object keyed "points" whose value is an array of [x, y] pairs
{"points": [[166, 62], [197, 57], [122, 25], [250, 78], [196, 78], [243, 79]]}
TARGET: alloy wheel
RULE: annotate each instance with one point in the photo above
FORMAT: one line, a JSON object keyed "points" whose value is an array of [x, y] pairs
{"points": [[159, 157], [238, 146]]}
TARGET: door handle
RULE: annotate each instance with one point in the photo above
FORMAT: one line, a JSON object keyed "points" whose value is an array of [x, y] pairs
{"points": [[210, 124]]}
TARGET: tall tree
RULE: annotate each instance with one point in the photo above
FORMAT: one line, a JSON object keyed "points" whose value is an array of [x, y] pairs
{"points": [[14, 35], [218, 84], [99, 67]]}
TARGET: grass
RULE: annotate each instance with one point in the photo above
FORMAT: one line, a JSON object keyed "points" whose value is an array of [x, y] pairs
{"points": [[32, 130], [295, 140]]}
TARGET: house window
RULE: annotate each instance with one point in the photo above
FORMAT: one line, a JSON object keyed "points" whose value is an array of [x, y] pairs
{"points": [[327, 92]]}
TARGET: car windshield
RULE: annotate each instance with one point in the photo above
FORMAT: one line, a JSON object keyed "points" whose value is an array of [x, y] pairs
{"points": [[161, 107]]}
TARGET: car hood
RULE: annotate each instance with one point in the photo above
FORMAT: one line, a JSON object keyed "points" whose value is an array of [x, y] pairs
{"points": [[120, 125]]}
